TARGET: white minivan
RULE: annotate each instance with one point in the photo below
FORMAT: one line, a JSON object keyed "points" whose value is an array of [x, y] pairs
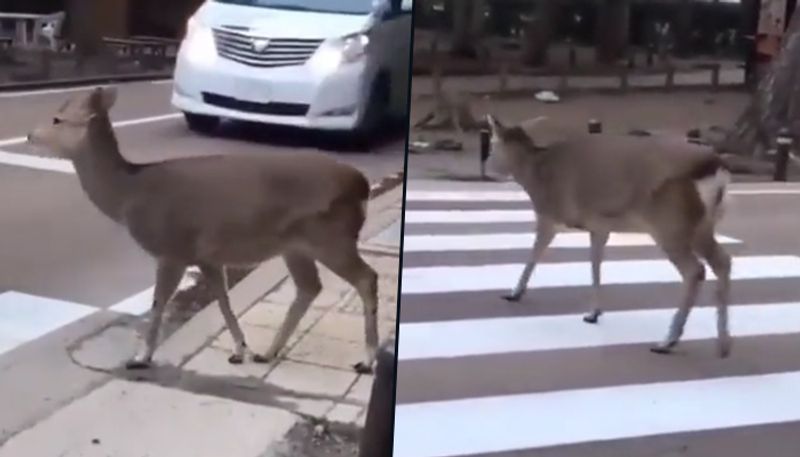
{"points": [[319, 64]]}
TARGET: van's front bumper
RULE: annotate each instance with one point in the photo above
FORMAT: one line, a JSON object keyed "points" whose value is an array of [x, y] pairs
{"points": [[310, 95]]}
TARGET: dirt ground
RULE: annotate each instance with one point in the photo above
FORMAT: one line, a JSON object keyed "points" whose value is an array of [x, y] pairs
{"points": [[678, 111], [303, 441]]}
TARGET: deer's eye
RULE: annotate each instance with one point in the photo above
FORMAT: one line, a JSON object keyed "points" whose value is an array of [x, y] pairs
{"points": [[56, 121]]}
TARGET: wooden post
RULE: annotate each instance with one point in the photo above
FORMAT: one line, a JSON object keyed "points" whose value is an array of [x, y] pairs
{"points": [[503, 75], [623, 79], [670, 83], [715, 69]]}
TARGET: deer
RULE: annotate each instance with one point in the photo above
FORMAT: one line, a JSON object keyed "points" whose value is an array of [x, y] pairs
{"points": [[671, 189], [214, 212]]}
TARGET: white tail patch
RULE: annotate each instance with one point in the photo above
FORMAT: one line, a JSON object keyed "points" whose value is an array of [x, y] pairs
{"points": [[710, 188]]}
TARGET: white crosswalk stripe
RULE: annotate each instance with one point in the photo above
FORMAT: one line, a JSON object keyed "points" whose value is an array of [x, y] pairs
{"points": [[468, 378], [25, 317]]}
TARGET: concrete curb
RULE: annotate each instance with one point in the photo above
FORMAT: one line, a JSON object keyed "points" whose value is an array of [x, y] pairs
{"points": [[88, 81], [201, 330]]}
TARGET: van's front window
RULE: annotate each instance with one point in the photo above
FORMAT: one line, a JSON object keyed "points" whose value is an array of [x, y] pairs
{"points": [[325, 6]]}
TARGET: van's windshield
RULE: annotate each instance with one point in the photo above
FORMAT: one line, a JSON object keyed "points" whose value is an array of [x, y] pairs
{"points": [[325, 6]]}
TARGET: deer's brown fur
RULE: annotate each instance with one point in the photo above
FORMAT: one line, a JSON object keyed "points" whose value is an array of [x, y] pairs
{"points": [[604, 183], [213, 212]]}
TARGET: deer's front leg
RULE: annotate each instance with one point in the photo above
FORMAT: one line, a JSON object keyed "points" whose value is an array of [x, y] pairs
{"points": [[546, 231], [598, 241], [168, 277], [218, 282]]}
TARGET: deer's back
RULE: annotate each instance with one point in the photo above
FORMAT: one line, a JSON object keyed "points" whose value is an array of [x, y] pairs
{"points": [[246, 205], [612, 177]]}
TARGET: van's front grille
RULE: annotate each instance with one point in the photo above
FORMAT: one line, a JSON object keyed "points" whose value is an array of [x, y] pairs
{"points": [[271, 108], [263, 52]]}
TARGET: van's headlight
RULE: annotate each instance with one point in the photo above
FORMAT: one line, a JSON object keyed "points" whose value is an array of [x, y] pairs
{"points": [[199, 42], [354, 47], [344, 50]]}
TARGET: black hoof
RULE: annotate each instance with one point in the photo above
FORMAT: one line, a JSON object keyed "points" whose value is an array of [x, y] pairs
{"points": [[362, 368], [591, 319], [662, 350], [236, 360], [258, 358], [137, 365], [511, 297]]}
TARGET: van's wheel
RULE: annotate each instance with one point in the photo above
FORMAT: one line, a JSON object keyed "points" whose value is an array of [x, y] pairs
{"points": [[375, 113], [200, 123]]}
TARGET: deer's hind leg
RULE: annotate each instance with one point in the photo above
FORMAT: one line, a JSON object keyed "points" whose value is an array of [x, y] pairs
{"points": [[675, 224], [720, 263], [305, 276], [598, 241], [345, 261]]}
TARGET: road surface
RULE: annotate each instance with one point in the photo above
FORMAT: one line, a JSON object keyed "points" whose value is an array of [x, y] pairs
{"points": [[66, 271], [479, 376]]}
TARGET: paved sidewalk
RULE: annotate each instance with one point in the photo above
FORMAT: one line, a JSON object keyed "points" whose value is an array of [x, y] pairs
{"points": [[195, 404]]}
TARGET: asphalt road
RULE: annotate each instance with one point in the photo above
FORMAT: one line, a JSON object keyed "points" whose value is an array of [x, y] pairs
{"points": [[65, 270], [479, 376]]}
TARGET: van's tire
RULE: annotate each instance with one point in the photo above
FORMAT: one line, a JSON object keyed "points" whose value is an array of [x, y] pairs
{"points": [[201, 123], [375, 113]]}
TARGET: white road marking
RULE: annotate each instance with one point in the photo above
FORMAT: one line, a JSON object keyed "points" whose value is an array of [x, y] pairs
{"points": [[64, 90], [147, 120], [496, 241], [36, 162], [468, 216], [24, 317], [519, 196], [530, 421], [58, 164], [547, 333], [444, 279]]}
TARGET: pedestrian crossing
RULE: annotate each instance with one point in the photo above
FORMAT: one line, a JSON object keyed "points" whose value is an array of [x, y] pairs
{"points": [[479, 376], [25, 318]]}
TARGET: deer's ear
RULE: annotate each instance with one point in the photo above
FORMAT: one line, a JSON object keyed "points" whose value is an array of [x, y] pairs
{"points": [[542, 133], [494, 125]]}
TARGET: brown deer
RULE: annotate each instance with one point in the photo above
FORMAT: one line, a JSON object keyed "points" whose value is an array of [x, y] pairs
{"points": [[603, 183], [220, 211]]}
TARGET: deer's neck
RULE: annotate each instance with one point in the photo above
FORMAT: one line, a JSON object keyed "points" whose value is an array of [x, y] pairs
{"points": [[104, 174]]}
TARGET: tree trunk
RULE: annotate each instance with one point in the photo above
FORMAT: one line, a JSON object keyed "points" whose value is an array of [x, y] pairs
{"points": [[464, 31], [683, 28], [611, 32], [539, 33], [776, 102]]}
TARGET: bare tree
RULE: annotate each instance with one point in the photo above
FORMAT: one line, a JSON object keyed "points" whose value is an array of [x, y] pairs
{"points": [[539, 32], [467, 26], [775, 103], [611, 30]]}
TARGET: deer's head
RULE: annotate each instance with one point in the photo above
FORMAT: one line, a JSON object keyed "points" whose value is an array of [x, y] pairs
{"points": [[512, 145], [68, 132]]}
